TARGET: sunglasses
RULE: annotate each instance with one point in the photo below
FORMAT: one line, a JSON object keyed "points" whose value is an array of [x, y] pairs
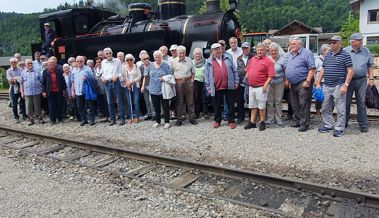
{"points": [[145, 59]]}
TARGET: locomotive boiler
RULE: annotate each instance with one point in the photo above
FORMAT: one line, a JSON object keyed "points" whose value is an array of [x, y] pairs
{"points": [[84, 31]]}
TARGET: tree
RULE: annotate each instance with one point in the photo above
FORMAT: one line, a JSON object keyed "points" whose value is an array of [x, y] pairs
{"points": [[224, 5], [350, 26]]}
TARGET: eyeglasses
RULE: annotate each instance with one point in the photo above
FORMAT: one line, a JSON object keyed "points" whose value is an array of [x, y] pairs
{"points": [[107, 53], [98, 62], [129, 60], [334, 42], [29, 63], [13, 62], [79, 61], [145, 59]]}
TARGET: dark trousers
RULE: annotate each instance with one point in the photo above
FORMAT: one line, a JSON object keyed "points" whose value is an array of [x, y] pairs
{"points": [[184, 93], [102, 105], [201, 103], [301, 103], [240, 97], [54, 100], [287, 97], [359, 86], [44, 104], [83, 107], [218, 100], [157, 102], [15, 102]]}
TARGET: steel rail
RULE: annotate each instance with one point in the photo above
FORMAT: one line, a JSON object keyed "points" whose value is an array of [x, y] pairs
{"points": [[325, 191]]}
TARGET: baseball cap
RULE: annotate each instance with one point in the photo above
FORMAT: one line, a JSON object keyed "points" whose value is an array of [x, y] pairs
{"points": [[335, 38], [173, 47], [356, 36], [245, 45], [215, 45]]}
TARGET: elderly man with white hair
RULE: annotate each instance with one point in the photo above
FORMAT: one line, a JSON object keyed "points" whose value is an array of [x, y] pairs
{"points": [[184, 73], [221, 81], [164, 51], [111, 70], [13, 77]]}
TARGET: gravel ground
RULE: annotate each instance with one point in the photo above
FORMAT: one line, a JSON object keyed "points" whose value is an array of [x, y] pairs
{"points": [[348, 162]]}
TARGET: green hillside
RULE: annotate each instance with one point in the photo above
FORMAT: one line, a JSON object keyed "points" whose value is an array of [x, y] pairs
{"points": [[18, 31]]}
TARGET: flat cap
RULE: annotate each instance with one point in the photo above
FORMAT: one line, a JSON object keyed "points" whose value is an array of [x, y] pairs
{"points": [[335, 38], [356, 36], [173, 47], [215, 45], [245, 45]]}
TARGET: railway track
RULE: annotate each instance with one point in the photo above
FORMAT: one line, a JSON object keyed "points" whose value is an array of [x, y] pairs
{"points": [[4, 96], [283, 196]]}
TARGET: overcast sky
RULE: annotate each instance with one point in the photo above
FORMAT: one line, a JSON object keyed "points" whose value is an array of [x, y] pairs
{"points": [[30, 6]]}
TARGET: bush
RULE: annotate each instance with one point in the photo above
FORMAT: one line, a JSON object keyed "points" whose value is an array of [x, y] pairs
{"points": [[374, 49], [4, 77]]}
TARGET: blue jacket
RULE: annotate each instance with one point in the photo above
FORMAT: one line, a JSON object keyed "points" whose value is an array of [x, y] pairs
{"points": [[89, 88], [231, 70]]}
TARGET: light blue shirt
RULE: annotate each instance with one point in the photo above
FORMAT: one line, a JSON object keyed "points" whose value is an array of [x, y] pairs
{"points": [[37, 66], [298, 65], [155, 84], [362, 60], [77, 76]]}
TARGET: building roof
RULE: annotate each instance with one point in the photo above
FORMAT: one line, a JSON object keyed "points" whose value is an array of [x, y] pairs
{"points": [[355, 5], [292, 28]]}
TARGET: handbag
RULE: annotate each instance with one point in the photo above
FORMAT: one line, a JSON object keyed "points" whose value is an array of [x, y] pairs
{"points": [[372, 97]]}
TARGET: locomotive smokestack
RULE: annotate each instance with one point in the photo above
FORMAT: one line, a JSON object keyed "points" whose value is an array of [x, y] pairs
{"points": [[213, 6], [169, 9]]}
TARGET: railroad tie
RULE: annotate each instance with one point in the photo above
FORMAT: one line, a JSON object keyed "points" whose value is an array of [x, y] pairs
{"points": [[142, 170], [234, 191], [184, 180], [29, 144], [341, 210], [50, 149], [293, 207], [5, 142], [76, 156], [104, 162]]}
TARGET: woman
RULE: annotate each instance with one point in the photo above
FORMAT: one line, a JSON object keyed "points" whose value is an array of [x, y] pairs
{"points": [[319, 61], [145, 86], [275, 95], [31, 91], [201, 103], [156, 71], [101, 103], [131, 83]]}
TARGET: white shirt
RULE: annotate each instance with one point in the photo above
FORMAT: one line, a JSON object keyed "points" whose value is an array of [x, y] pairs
{"points": [[112, 68], [235, 54]]}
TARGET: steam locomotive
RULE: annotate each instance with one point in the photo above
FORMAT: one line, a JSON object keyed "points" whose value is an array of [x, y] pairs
{"points": [[84, 31]]}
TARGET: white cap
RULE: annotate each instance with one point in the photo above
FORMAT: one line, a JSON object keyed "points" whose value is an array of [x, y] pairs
{"points": [[215, 45], [173, 47], [47, 24]]}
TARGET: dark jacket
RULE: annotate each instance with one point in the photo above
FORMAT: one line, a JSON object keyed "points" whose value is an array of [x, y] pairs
{"points": [[46, 81], [241, 67]]}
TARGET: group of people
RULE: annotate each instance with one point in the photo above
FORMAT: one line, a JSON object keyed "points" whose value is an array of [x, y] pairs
{"points": [[184, 87]]}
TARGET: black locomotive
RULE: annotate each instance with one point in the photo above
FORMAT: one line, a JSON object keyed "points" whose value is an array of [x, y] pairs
{"points": [[84, 31]]}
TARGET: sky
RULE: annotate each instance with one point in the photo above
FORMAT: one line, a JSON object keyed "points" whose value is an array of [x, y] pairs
{"points": [[30, 6]]}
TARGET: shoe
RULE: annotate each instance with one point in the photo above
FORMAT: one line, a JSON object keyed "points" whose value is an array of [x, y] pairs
{"points": [[302, 129], [84, 122], [206, 116], [325, 129], [232, 125], [147, 118], [104, 120], [60, 121], [130, 121], [270, 121], [31, 122], [167, 126], [156, 125], [91, 123], [337, 133], [197, 116], [52, 122], [41, 121], [112, 123], [240, 121], [17, 120], [225, 119], [364, 129], [193, 121], [295, 125], [250, 125], [122, 123], [179, 123], [135, 120], [262, 125], [279, 122], [216, 125], [24, 117]]}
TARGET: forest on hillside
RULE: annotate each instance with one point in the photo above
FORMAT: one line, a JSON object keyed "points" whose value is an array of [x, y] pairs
{"points": [[20, 30]]}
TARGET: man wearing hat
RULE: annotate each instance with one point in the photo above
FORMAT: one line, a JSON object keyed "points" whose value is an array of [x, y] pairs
{"points": [[362, 67], [50, 35], [221, 80], [241, 65], [337, 73]]}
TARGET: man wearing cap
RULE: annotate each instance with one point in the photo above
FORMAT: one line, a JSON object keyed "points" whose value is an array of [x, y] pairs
{"points": [[300, 70], [259, 73], [241, 65], [337, 73], [221, 80], [362, 67], [174, 53], [50, 35]]}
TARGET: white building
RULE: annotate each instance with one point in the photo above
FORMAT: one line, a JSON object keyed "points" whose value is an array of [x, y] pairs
{"points": [[368, 19]]}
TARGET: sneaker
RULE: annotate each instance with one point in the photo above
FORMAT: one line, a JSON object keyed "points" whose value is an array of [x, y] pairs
{"points": [[193, 121], [364, 129], [91, 123], [17, 120], [167, 126], [206, 116], [156, 125], [112, 123], [250, 125], [232, 125], [103, 120], [122, 123], [302, 129], [337, 133], [147, 118], [41, 121], [216, 125], [295, 125], [31, 122], [325, 129], [279, 122], [270, 121], [240, 121], [83, 123], [179, 123], [262, 125]]}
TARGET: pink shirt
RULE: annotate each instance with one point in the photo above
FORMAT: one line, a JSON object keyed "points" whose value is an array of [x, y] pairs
{"points": [[258, 70]]}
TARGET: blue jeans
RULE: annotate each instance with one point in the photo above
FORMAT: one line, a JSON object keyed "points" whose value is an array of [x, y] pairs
{"points": [[133, 103], [111, 90], [15, 98]]}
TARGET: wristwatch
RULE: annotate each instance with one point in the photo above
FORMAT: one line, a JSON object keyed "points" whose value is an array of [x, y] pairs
{"points": [[346, 84]]}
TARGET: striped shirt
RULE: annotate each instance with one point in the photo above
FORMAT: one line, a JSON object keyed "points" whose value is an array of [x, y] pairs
{"points": [[335, 67]]}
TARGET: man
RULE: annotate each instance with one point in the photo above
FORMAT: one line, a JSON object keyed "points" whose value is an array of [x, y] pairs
{"points": [[50, 36], [53, 87], [111, 71], [234, 50], [300, 71], [100, 54], [184, 73], [221, 81], [79, 74], [362, 67], [14, 78], [121, 56], [174, 52], [164, 51], [37, 63], [241, 65], [337, 73], [223, 50], [259, 73], [267, 43]]}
